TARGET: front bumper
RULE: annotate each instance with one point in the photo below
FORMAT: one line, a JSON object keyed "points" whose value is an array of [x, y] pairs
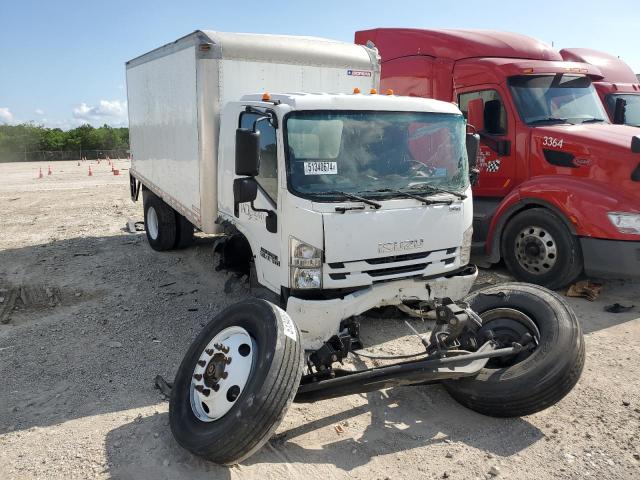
{"points": [[611, 258], [319, 320]]}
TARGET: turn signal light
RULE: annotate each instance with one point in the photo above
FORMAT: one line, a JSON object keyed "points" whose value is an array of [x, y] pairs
{"points": [[389, 91], [356, 90], [373, 91], [266, 97]]}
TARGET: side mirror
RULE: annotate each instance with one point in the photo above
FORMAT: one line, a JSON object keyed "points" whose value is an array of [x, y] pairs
{"points": [[473, 148], [247, 152], [272, 222], [475, 114], [245, 190], [620, 111]]}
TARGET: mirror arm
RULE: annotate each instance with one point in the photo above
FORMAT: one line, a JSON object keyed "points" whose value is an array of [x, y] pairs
{"points": [[268, 115]]}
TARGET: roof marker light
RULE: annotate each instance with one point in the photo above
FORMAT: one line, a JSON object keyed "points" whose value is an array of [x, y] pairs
{"points": [[356, 91], [266, 97], [373, 91], [389, 91]]}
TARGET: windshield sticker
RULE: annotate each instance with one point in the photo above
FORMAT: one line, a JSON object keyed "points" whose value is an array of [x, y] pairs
{"points": [[359, 73], [320, 168]]}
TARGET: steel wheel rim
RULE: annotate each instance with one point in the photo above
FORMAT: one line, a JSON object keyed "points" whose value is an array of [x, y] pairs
{"points": [[221, 373], [152, 223], [536, 250]]}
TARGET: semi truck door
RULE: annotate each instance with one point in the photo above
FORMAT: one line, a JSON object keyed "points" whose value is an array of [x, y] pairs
{"points": [[497, 156], [266, 245]]}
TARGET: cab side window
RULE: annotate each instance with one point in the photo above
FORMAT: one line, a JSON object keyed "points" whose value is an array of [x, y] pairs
{"points": [[495, 115], [268, 176]]}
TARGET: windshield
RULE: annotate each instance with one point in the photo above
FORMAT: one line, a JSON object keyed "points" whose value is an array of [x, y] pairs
{"points": [[632, 108], [548, 99], [372, 153]]}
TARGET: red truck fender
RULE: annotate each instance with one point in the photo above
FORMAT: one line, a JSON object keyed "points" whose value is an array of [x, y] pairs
{"points": [[580, 203]]}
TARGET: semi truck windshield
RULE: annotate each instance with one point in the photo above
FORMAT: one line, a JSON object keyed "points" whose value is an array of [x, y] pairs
{"points": [[374, 153], [632, 107], [549, 99]]}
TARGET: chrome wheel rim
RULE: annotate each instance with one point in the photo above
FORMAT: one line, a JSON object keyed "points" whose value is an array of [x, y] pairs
{"points": [[152, 223], [536, 250], [221, 373]]}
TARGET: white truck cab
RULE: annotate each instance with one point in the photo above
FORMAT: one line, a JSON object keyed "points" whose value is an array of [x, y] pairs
{"points": [[362, 201]]}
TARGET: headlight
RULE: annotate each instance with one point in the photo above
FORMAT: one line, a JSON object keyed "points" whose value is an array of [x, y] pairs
{"points": [[465, 250], [625, 222], [306, 265]]}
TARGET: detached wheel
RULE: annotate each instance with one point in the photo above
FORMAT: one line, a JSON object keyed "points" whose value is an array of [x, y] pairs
{"points": [[531, 380], [236, 382], [159, 222], [538, 248]]}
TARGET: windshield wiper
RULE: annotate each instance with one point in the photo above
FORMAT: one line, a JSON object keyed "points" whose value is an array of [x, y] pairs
{"points": [[548, 120], [432, 189], [594, 120], [351, 196], [424, 200]]}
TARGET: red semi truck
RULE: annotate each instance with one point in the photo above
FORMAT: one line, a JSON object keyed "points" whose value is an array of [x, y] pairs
{"points": [[559, 185], [619, 89]]}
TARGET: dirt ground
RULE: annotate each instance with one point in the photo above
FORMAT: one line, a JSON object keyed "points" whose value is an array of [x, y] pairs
{"points": [[89, 315]]}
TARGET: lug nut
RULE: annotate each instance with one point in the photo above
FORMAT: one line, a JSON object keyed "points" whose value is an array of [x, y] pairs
{"points": [[225, 374], [199, 388], [202, 363], [209, 351], [197, 376], [206, 392], [228, 360], [216, 387]]}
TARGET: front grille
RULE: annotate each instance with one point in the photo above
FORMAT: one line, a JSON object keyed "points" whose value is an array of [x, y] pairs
{"points": [[383, 272], [397, 258]]}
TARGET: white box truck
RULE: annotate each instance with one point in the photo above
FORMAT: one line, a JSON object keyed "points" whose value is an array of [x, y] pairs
{"points": [[335, 199]]}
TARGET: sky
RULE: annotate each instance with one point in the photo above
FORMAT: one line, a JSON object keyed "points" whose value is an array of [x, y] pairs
{"points": [[62, 62]]}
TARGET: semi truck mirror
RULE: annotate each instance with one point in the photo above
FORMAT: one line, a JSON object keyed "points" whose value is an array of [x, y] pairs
{"points": [[635, 144], [247, 152], [245, 190], [620, 111], [475, 113]]}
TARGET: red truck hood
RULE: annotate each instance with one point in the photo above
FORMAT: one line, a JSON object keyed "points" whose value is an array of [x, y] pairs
{"points": [[598, 152]]}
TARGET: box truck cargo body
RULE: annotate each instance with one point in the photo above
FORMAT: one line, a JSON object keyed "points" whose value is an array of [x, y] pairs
{"points": [[176, 93]]}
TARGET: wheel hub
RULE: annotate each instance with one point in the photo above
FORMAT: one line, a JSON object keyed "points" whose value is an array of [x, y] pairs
{"points": [[535, 250], [152, 223], [221, 373]]}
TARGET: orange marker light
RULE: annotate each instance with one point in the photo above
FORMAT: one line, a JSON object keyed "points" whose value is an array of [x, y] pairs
{"points": [[389, 91], [266, 97], [527, 70], [356, 91], [373, 91]]}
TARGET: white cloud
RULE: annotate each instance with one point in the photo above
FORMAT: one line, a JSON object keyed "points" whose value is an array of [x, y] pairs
{"points": [[39, 111], [5, 115], [113, 112]]}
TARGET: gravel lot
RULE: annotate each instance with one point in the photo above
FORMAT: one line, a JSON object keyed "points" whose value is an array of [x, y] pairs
{"points": [[89, 315]]}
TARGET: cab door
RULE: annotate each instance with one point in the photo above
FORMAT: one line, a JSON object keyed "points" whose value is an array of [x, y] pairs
{"points": [[497, 159]]}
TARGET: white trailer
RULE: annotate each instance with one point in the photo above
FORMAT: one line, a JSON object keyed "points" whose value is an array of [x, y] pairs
{"points": [[334, 199]]}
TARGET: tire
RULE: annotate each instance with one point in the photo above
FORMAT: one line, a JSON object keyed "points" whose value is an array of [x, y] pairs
{"points": [[159, 221], [184, 232], [541, 379], [537, 247], [273, 380]]}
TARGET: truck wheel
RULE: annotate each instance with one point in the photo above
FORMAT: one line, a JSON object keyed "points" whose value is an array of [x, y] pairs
{"points": [[159, 221], [236, 382], [538, 248], [184, 232], [531, 380]]}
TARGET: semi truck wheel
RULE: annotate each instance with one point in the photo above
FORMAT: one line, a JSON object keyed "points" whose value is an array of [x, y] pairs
{"points": [[159, 221], [538, 248], [184, 232], [236, 382], [533, 379]]}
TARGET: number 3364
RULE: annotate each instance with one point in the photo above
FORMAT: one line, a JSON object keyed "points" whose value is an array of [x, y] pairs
{"points": [[552, 142]]}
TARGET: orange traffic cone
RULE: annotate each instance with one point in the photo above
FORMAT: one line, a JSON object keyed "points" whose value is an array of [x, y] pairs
{"points": [[49, 172], [90, 172], [40, 173]]}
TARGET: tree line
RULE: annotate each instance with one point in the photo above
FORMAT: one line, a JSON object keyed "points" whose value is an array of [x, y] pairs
{"points": [[28, 141]]}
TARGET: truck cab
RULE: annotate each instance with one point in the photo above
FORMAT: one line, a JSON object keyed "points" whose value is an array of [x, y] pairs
{"points": [[347, 202], [618, 89], [558, 192]]}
